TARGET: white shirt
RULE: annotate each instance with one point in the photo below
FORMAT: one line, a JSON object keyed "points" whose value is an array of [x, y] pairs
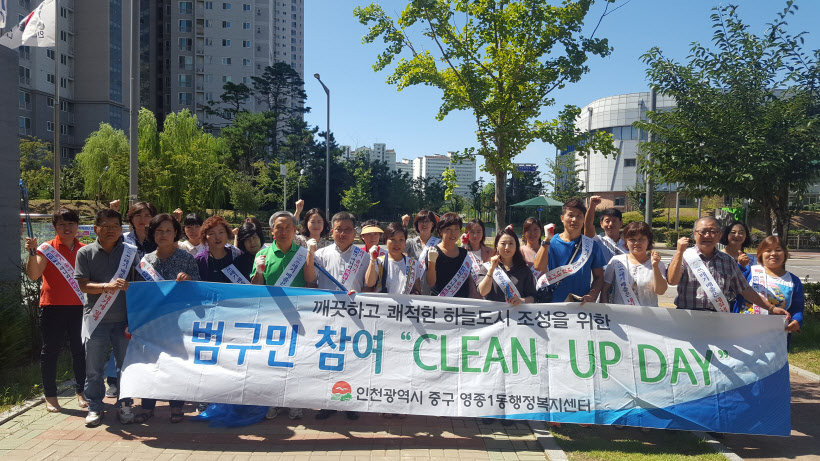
{"points": [[335, 262], [641, 278], [396, 278], [190, 248]]}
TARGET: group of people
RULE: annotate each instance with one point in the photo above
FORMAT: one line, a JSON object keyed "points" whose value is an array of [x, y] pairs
{"points": [[82, 284]]}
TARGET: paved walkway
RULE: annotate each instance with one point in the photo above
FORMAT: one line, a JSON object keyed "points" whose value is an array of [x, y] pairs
{"points": [[37, 435]]}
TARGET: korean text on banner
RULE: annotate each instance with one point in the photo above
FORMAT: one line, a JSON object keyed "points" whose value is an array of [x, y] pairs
{"points": [[596, 364]]}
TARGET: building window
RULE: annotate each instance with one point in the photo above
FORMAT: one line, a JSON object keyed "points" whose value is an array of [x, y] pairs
{"points": [[63, 129], [226, 61], [209, 5], [63, 82], [246, 62], [186, 62], [185, 80], [24, 126], [63, 36], [208, 78], [226, 78], [49, 126], [246, 7], [246, 26], [226, 24], [629, 162], [226, 6], [50, 101], [186, 7], [620, 200], [63, 12], [186, 44], [65, 106], [49, 53], [50, 78], [24, 100], [63, 59], [186, 99], [209, 42], [226, 42], [246, 43], [246, 80], [186, 25]]}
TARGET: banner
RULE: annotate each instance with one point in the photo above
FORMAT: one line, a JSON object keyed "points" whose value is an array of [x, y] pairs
{"points": [[594, 364]]}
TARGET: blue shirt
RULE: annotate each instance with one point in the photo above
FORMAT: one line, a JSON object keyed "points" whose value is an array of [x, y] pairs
{"points": [[785, 292], [580, 282]]}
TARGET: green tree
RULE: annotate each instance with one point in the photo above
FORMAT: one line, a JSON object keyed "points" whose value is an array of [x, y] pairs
{"points": [[36, 167], [231, 102], [637, 197], [564, 177], [500, 60], [450, 180], [746, 122], [357, 199], [247, 140], [105, 147], [281, 89]]}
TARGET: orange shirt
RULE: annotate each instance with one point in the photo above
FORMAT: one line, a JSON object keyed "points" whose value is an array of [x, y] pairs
{"points": [[55, 290]]}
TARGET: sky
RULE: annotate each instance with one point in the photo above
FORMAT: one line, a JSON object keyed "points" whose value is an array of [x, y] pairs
{"points": [[364, 109]]}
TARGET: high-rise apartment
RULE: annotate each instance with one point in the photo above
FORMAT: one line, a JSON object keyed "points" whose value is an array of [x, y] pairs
{"points": [[92, 77], [191, 48], [432, 166]]}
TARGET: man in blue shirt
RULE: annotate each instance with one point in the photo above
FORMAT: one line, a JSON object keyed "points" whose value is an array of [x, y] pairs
{"points": [[587, 264]]}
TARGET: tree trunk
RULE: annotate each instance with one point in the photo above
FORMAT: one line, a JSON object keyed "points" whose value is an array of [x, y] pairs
{"points": [[767, 218], [500, 200], [781, 213]]}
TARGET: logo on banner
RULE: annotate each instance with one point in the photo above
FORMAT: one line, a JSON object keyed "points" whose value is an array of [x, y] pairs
{"points": [[341, 391]]}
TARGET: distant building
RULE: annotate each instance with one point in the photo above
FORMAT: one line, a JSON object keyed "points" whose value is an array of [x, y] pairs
{"points": [[378, 153], [405, 166], [432, 166]]}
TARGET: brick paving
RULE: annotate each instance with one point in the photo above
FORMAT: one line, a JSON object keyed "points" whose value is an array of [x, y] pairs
{"points": [[38, 435]]}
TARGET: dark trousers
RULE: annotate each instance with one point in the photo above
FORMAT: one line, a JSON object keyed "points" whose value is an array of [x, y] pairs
{"points": [[57, 322], [150, 404]]}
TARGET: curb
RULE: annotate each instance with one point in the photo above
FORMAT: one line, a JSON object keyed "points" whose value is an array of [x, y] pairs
{"points": [[717, 446], [31, 403], [551, 449], [804, 373]]}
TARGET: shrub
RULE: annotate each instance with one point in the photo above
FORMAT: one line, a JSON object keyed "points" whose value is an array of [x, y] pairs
{"points": [[812, 292]]}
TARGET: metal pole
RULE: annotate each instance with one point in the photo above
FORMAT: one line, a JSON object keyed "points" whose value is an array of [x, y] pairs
{"points": [[677, 207], [700, 207], [650, 185], [327, 150], [134, 103], [56, 105]]}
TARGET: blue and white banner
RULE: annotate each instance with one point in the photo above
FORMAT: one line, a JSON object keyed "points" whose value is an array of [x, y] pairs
{"points": [[594, 364]]}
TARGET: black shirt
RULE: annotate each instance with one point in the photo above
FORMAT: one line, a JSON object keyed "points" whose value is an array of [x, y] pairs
{"points": [[520, 276], [446, 269]]}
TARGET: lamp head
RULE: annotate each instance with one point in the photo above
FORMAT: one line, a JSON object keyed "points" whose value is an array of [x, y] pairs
{"points": [[302, 171], [317, 76], [106, 168]]}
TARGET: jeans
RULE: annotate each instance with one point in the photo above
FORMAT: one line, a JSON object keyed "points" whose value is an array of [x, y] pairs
{"points": [[57, 322], [96, 354]]}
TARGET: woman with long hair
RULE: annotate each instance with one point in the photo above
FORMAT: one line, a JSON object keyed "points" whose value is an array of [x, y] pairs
{"points": [[507, 277]]}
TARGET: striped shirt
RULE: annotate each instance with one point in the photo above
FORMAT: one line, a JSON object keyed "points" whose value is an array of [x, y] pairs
{"points": [[726, 273]]}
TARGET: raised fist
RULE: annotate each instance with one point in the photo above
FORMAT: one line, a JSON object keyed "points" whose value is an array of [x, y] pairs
{"points": [[594, 201], [743, 259], [31, 244], [549, 231], [115, 205], [178, 215], [260, 264], [374, 252], [683, 244], [465, 239], [656, 259], [432, 255], [312, 245], [405, 220]]}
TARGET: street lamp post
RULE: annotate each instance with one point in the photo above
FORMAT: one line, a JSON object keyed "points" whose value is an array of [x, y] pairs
{"points": [[327, 150], [299, 185]]}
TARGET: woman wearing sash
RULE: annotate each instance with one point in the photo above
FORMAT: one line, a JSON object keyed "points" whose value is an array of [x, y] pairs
{"points": [[474, 243], [192, 226], [638, 278], [314, 226], [417, 247], [736, 237], [449, 270], [167, 262], [507, 278], [394, 273], [773, 282], [531, 235], [139, 216], [249, 239], [61, 305], [219, 256]]}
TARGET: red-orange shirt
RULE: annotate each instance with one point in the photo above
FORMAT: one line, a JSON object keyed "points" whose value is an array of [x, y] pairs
{"points": [[55, 290]]}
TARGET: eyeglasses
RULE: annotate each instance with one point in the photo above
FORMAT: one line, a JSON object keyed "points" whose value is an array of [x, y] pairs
{"points": [[705, 232]]}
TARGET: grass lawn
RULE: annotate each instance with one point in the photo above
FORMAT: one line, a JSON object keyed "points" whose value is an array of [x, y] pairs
{"points": [[20, 384], [608, 443], [805, 351]]}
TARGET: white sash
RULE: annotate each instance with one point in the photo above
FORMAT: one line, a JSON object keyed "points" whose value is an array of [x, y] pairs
{"points": [[562, 272], [293, 268], [234, 275], [147, 271], [353, 266], [535, 274], [760, 284], [432, 241], [65, 268], [707, 282], [409, 273], [93, 318], [623, 281], [503, 280], [455, 283], [476, 266], [611, 245], [131, 239]]}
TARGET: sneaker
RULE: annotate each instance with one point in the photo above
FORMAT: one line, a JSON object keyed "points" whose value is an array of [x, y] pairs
{"points": [[201, 406], [93, 419], [112, 392], [126, 415], [295, 413], [272, 412]]}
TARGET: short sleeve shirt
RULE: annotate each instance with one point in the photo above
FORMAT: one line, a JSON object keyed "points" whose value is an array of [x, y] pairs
{"points": [[276, 261], [726, 273], [99, 266], [335, 261], [642, 275], [580, 282]]}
